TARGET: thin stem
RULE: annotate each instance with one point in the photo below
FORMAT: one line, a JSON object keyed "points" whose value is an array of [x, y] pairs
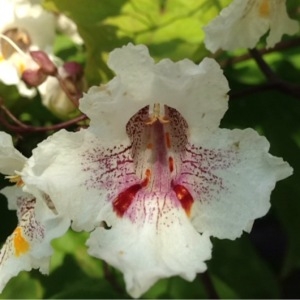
{"points": [[251, 90], [11, 116], [209, 286], [24, 128], [264, 67], [284, 45], [109, 276], [74, 100], [273, 79]]}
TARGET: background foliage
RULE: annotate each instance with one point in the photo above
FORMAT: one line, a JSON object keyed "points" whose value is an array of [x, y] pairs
{"points": [[263, 264]]}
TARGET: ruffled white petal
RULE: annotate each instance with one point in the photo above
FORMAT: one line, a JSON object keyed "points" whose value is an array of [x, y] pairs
{"points": [[11, 160], [199, 92], [160, 244], [244, 22], [6, 13], [8, 73], [12, 194], [78, 172], [68, 27], [230, 174], [29, 245], [280, 23]]}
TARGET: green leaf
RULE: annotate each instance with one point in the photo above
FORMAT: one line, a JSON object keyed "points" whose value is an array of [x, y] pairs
{"points": [[222, 288], [73, 243], [22, 286], [88, 289], [171, 29], [241, 270], [100, 38], [176, 288]]}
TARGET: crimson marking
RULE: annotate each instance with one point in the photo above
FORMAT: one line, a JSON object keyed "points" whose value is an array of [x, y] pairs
{"points": [[185, 198], [171, 164], [125, 198]]}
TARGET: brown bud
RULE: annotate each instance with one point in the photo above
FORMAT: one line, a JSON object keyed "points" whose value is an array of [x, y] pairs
{"points": [[73, 69], [43, 60], [33, 78]]}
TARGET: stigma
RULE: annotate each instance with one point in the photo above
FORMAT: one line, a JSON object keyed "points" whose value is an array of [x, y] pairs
{"points": [[16, 179], [156, 116]]}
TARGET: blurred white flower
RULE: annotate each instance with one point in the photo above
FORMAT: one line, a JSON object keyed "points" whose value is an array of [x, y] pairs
{"points": [[244, 22], [24, 27], [156, 168], [69, 28]]}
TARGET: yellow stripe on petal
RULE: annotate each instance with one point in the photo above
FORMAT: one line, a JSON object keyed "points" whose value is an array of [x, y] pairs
{"points": [[1, 57], [21, 67], [264, 8], [21, 245]]}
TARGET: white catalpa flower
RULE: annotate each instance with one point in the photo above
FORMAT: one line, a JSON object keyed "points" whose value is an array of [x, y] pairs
{"points": [[69, 28], [29, 245], [156, 169], [24, 27], [244, 22]]}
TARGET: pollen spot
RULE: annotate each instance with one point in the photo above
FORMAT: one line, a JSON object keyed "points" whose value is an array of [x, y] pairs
{"points": [[171, 164], [21, 245], [150, 146], [156, 116], [185, 198], [168, 140], [264, 8], [21, 67], [17, 179]]}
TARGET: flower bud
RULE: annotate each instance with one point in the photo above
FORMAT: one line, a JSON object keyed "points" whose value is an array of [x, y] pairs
{"points": [[73, 70], [33, 78], [71, 76], [43, 60]]}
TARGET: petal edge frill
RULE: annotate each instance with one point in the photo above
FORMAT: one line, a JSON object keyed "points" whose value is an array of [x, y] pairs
{"points": [[198, 92], [29, 246], [232, 181], [78, 173], [161, 244], [11, 160]]}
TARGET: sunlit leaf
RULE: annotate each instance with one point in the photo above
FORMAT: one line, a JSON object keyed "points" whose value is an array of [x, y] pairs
{"points": [[22, 286]]}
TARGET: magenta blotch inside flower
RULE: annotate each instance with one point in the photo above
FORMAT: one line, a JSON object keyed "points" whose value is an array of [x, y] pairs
{"points": [[156, 168]]}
